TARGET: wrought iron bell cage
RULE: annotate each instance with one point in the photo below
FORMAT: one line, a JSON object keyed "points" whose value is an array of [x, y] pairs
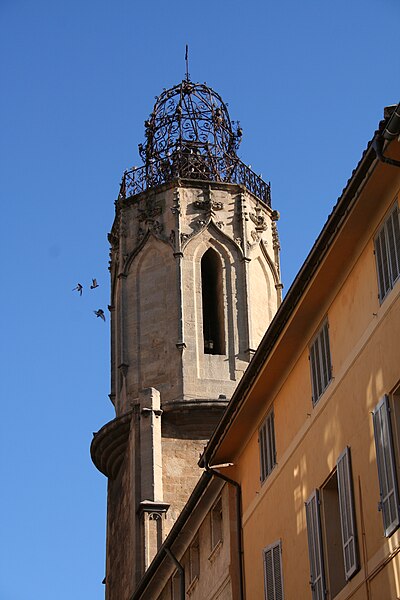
{"points": [[190, 135]]}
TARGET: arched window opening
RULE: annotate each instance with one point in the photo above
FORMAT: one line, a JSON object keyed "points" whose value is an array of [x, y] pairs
{"points": [[213, 303]]}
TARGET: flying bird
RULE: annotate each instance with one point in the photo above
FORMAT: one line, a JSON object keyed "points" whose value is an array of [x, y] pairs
{"points": [[94, 284], [100, 313], [78, 288]]}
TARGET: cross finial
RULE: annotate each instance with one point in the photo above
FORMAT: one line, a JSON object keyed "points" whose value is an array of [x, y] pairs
{"points": [[187, 62]]}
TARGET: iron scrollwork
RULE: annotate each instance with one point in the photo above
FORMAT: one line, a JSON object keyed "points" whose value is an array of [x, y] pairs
{"points": [[190, 135]]}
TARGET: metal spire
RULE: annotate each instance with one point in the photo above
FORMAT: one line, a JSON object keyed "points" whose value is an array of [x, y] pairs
{"points": [[187, 62]]}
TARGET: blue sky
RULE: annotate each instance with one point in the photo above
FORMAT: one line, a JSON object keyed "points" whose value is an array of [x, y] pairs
{"points": [[308, 82]]}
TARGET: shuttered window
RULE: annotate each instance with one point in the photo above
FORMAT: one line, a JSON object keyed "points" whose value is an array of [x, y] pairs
{"points": [[387, 252], [317, 576], [273, 580], [347, 514], [320, 362], [389, 497], [266, 436]]}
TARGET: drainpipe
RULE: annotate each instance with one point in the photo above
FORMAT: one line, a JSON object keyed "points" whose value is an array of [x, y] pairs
{"points": [[181, 572], [391, 131], [238, 521]]}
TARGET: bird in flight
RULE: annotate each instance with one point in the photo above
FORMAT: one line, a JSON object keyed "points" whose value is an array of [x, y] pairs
{"points": [[78, 288], [94, 284], [100, 313]]}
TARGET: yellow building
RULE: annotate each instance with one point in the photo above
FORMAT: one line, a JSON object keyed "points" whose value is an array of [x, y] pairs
{"points": [[313, 429]]}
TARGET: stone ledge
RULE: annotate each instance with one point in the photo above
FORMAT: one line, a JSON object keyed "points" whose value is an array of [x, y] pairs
{"points": [[108, 445]]}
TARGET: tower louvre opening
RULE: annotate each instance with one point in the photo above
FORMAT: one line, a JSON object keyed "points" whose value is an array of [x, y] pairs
{"points": [[213, 306]]}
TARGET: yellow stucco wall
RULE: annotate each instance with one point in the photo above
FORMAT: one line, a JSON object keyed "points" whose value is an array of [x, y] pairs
{"points": [[365, 350]]}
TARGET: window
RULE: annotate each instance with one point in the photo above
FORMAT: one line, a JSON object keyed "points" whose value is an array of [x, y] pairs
{"points": [[216, 524], [213, 303], [320, 362], [194, 560], [385, 458], [273, 580], [332, 533], [266, 438], [387, 253]]}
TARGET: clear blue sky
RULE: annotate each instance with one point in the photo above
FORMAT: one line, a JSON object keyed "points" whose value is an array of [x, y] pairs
{"points": [[308, 81]]}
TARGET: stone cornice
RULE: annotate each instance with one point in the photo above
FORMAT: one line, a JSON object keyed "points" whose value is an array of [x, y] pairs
{"points": [[108, 445]]}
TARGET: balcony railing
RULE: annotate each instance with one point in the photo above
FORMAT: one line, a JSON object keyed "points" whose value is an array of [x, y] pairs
{"points": [[202, 167]]}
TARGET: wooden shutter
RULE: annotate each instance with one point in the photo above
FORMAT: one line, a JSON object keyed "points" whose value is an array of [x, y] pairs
{"points": [[347, 514], [387, 253], [317, 577], [382, 264], [266, 436], [273, 580], [389, 503], [320, 362], [393, 236]]}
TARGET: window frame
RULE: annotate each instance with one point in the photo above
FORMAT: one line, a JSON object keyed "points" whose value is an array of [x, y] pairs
{"points": [[387, 252], [386, 464], [267, 446], [347, 514], [320, 359], [322, 509]]}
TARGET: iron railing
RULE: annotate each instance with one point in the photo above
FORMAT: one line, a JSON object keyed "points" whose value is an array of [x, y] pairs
{"points": [[204, 167]]}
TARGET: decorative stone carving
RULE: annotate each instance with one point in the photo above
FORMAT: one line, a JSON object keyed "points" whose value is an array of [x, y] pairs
{"points": [[176, 208], [208, 205], [259, 220], [157, 227], [200, 223], [220, 224], [151, 210], [185, 237], [140, 234], [275, 237]]}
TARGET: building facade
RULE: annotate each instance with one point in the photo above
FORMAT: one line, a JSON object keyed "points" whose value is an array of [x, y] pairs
{"points": [[195, 281], [312, 431]]}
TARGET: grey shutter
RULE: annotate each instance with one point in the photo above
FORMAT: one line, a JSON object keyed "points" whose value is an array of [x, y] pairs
{"points": [[347, 514], [385, 458], [317, 577], [393, 234], [273, 581], [387, 253], [382, 265], [320, 362], [266, 438]]}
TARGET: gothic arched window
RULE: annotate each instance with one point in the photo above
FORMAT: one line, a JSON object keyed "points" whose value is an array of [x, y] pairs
{"points": [[213, 303]]}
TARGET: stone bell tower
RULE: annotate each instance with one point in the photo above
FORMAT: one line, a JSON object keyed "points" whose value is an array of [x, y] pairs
{"points": [[195, 282]]}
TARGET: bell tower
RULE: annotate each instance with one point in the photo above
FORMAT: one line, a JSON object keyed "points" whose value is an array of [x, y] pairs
{"points": [[195, 281]]}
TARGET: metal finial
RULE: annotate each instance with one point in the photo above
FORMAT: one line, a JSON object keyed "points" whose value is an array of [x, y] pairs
{"points": [[187, 62]]}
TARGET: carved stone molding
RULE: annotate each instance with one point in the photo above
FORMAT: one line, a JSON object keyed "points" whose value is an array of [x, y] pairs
{"points": [[259, 220], [152, 209]]}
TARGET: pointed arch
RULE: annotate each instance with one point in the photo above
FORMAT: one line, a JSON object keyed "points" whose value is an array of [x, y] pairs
{"points": [[212, 303]]}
